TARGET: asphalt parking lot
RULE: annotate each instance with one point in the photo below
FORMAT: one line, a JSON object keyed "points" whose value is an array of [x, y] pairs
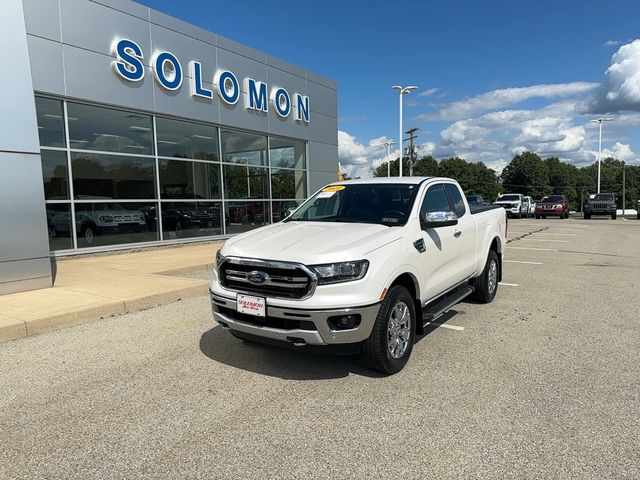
{"points": [[542, 383]]}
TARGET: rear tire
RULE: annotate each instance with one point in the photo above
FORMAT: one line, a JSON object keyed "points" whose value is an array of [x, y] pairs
{"points": [[486, 285], [389, 346], [537, 217]]}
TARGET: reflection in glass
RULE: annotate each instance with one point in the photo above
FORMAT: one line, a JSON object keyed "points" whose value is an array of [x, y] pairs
{"points": [[54, 174], [191, 219], [111, 223], [186, 140], [245, 148], [288, 183], [189, 180], [281, 209], [109, 130], [50, 122], [287, 153], [245, 216], [246, 182], [112, 176], [59, 226]]}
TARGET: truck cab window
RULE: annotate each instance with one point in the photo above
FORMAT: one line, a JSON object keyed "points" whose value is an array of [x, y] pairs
{"points": [[456, 199], [435, 200]]}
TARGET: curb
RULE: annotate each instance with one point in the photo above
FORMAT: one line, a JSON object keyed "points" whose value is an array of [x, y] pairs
{"points": [[12, 329]]}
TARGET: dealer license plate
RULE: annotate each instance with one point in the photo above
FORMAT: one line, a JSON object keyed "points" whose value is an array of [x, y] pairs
{"points": [[251, 305]]}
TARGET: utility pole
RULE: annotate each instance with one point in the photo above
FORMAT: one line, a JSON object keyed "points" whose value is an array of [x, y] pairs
{"points": [[411, 132]]}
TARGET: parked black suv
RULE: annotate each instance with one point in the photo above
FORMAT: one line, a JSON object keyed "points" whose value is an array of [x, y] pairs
{"points": [[601, 204]]}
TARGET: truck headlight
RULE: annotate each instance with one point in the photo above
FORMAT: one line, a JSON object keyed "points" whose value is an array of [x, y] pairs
{"points": [[340, 272], [105, 219], [219, 258]]}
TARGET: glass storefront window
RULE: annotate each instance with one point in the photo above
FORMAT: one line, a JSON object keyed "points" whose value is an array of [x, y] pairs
{"points": [[189, 180], [112, 176], [112, 223], [59, 226], [281, 209], [186, 140], [50, 122], [288, 183], [245, 216], [287, 153], [113, 170], [246, 182], [55, 175], [109, 130], [244, 148], [191, 219]]}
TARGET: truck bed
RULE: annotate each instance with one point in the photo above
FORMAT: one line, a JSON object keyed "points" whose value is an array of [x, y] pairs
{"points": [[482, 208]]}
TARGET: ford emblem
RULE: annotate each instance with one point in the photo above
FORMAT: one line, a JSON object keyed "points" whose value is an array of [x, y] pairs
{"points": [[258, 278]]}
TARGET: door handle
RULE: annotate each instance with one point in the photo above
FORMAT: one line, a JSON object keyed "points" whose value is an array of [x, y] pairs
{"points": [[457, 233]]}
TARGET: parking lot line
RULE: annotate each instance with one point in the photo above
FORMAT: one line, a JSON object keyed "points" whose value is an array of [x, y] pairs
{"points": [[545, 240], [522, 261], [445, 325], [533, 248], [505, 284], [560, 234]]}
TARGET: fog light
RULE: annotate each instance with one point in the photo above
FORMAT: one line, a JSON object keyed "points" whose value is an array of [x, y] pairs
{"points": [[344, 322]]}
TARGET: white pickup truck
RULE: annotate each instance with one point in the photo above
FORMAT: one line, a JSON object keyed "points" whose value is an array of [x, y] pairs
{"points": [[362, 262]]}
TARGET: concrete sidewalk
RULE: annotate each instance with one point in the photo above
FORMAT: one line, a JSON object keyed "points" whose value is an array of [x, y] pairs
{"points": [[92, 287]]}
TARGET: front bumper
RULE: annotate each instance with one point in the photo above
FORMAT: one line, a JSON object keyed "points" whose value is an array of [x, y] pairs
{"points": [[300, 326]]}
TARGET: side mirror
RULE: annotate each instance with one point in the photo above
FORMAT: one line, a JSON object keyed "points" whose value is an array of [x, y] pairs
{"points": [[438, 219], [289, 211]]}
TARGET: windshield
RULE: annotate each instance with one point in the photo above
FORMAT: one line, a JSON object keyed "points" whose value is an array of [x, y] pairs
{"points": [[509, 198], [553, 199], [603, 196], [384, 204]]}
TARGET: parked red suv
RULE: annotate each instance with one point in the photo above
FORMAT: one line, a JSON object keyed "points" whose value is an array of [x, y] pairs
{"points": [[553, 205]]}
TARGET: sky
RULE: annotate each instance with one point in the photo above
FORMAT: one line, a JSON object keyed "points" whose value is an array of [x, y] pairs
{"points": [[495, 77]]}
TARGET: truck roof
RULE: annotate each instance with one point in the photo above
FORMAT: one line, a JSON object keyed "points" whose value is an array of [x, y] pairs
{"points": [[405, 180]]}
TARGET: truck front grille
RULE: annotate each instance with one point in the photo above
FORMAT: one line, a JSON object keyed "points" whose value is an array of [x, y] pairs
{"points": [[599, 205], [282, 280]]}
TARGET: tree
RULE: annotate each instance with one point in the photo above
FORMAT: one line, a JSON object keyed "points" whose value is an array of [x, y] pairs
{"points": [[473, 177], [527, 174], [425, 166], [563, 179]]}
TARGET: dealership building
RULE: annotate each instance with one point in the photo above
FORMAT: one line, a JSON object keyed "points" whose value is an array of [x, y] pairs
{"points": [[124, 127]]}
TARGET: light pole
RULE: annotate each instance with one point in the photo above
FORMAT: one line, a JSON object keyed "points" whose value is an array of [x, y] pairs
{"points": [[388, 145], [402, 91], [600, 121]]}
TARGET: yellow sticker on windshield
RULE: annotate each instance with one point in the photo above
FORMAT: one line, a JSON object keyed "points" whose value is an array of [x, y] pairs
{"points": [[333, 188]]}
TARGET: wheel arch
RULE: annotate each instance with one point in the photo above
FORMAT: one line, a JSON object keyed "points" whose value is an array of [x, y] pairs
{"points": [[411, 283], [496, 246]]}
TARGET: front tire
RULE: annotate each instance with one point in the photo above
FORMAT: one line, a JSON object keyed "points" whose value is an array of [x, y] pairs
{"points": [[486, 285], [389, 346], [614, 216]]}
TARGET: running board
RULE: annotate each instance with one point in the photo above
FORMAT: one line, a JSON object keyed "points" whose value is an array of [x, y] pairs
{"points": [[445, 303]]}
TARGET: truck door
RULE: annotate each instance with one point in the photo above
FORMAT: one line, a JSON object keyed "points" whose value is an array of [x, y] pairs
{"points": [[439, 265], [465, 233]]}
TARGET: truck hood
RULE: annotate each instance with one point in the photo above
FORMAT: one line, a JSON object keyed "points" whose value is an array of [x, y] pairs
{"points": [[506, 202], [312, 242]]}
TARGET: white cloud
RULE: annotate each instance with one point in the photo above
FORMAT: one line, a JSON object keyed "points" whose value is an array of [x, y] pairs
{"points": [[611, 43], [359, 159], [620, 151], [429, 92], [506, 97], [620, 90]]}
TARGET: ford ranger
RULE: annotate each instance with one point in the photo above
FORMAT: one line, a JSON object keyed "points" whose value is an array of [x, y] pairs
{"points": [[362, 262]]}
